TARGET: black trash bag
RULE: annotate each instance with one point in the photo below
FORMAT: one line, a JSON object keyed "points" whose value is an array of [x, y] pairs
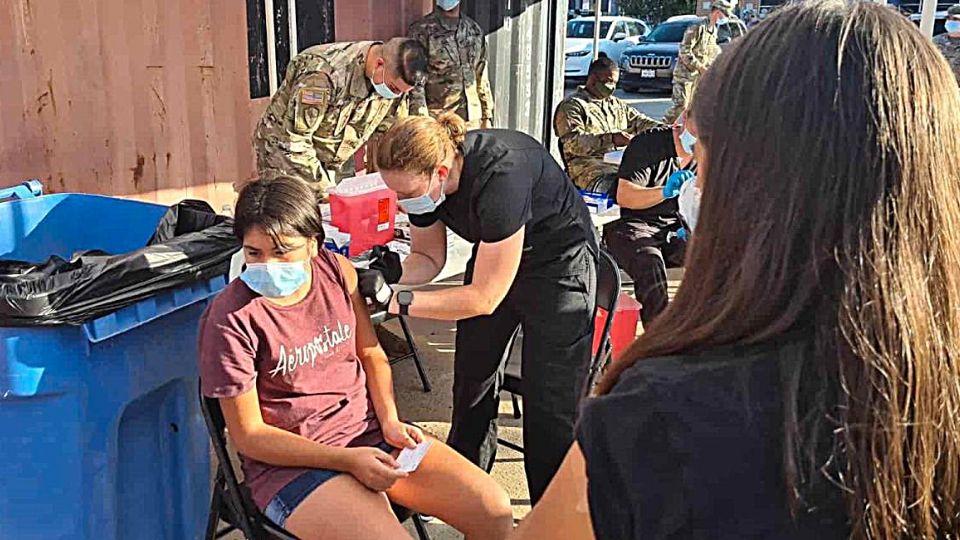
{"points": [[191, 244]]}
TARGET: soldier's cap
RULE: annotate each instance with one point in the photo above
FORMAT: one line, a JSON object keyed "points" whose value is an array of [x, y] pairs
{"points": [[725, 6], [954, 10]]}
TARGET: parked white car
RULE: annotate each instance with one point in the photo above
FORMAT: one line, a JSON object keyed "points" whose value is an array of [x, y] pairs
{"points": [[617, 34]]}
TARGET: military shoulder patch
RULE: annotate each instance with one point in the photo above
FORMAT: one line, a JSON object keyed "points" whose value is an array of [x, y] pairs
{"points": [[313, 96]]}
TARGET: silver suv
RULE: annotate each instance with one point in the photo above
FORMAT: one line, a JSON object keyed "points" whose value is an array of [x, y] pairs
{"points": [[650, 64]]}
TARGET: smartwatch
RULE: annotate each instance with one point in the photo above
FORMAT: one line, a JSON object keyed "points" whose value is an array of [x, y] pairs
{"points": [[404, 300]]}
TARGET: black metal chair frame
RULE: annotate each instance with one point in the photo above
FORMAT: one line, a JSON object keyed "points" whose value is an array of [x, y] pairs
{"points": [[230, 500], [381, 316], [609, 284]]}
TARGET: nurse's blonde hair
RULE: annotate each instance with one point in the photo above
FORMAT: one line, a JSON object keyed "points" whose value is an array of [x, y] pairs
{"points": [[418, 144]]}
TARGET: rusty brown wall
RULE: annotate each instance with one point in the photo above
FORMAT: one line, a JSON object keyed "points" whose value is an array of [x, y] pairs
{"points": [[376, 19], [142, 98]]}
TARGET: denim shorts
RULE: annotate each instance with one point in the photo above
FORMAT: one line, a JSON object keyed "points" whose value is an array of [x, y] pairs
{"points": [[291, 495]]}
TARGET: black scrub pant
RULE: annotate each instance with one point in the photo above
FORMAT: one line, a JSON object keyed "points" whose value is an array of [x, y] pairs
{"points": [[645, 251], [555, 308]]}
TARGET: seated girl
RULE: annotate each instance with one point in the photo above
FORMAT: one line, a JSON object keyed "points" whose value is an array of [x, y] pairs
{"points": [[307, 392]]}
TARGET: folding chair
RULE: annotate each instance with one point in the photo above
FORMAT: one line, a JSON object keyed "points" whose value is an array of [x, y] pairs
{"points": [[607, 297], [381, 316], [231, 500]]}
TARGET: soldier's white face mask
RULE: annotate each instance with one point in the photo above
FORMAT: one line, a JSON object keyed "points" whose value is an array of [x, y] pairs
{"points": [[447, 5], [382, 88], [952, 27]]}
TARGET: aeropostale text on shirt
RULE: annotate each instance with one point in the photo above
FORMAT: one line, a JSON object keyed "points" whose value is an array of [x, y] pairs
{"points": [[325, 344]]}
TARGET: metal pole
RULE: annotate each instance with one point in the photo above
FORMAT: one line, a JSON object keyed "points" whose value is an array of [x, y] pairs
{"points": [[927, 15], [271, 46], [596, 32], [292, 20]]}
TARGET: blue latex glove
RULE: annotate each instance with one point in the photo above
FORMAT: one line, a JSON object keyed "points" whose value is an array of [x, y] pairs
{"points": [[683, 235], [672, 188]]}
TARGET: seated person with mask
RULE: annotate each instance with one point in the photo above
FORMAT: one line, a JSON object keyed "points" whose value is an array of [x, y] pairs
{"points": [[649, 236], [592, 122]]}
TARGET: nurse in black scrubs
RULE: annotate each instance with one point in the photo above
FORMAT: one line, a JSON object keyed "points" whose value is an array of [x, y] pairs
{"points": [[533, 265]]}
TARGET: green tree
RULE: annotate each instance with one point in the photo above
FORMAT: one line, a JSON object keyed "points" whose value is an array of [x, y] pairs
{"points": [[655, 11]]}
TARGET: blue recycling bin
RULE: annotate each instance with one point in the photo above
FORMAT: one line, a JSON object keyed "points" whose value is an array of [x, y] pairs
{"points": [[101, 435]]}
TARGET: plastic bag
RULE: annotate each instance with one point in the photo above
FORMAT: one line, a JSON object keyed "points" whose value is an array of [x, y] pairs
{"points": [[191, 244]]}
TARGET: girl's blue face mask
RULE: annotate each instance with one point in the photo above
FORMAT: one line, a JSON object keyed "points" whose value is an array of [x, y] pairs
{"points": [[423, 204], [275, 279]]}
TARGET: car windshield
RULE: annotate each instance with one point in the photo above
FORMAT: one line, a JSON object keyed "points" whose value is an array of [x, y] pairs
{"points": [[668, 33], [584, 29]]}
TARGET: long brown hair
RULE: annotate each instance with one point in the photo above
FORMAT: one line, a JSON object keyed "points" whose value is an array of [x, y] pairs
{"points": [[831, 209]]}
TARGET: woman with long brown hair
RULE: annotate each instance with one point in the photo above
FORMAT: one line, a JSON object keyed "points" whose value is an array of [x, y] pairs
{"points": [[805, 382]]}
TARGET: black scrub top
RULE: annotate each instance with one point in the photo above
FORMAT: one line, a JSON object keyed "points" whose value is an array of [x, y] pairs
{"points": [[691, 447], [649, 160], [509, 181]]}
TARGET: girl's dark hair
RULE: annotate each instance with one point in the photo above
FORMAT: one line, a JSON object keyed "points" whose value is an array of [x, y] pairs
{"points": [[281, 206], [830, 209]]}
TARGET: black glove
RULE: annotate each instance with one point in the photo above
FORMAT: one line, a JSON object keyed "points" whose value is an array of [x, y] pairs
{"points": [[388, 263], [372, 285]]}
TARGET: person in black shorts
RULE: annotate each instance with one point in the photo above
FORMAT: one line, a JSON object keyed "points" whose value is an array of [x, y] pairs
{"points": [[647, 239], [534, 265]]}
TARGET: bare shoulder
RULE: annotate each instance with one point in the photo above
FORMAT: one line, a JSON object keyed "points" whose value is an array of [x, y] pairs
{"points": [[349, 271]]}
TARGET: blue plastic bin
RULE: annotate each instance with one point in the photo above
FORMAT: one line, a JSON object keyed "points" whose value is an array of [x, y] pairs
{"points": [[101, 436]]}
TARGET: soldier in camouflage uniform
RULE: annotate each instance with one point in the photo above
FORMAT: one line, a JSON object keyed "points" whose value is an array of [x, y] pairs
{"points": [[949, 43], [333, 99], [592, 122], [457, 77], [698, 50]]}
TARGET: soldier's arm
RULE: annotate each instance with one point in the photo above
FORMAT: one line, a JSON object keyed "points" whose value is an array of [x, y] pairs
{"points": [[418, 96], [483, 87], [638, 122], [688, 49], [403, 111], [310, 97], [570, 124]]}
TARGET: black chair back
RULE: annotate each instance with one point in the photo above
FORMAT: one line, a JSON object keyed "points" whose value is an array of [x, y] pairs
{"points": [[608, 297], [230, 500]]}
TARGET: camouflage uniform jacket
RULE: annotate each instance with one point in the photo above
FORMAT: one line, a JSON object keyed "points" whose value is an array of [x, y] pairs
{"points": [[950, 47], [457, 76], [322, 113], [698, 50], [584, 124]]}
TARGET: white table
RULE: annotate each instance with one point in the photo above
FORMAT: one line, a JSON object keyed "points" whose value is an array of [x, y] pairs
{"points": [[611, 215], [613, 158]]}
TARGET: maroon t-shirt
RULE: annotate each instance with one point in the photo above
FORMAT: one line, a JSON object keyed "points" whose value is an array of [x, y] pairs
{"points": [[303, 361]]}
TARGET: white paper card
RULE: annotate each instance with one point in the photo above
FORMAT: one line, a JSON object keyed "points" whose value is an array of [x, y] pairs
{"points": [[410, 458]]}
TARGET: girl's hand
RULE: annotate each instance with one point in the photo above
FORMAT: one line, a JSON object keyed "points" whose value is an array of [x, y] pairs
{"points": [[400, 435], [374, 468]]}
